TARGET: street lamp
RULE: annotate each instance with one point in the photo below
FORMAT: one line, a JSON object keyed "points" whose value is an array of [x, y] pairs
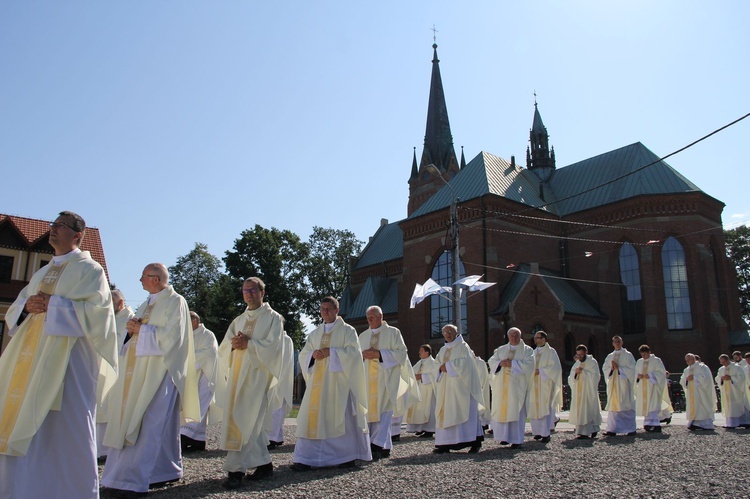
{"points": [[455, 256]]}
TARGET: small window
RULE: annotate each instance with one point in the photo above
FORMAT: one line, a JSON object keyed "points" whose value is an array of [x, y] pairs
{"points": [[6, 268]]}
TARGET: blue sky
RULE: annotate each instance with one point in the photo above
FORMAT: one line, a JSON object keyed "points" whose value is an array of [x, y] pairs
{"points": [[166, 123]]}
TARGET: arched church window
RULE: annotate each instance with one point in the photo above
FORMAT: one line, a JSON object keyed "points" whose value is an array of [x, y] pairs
{"points": [[631, 300], [676, 291], [441, 306]]}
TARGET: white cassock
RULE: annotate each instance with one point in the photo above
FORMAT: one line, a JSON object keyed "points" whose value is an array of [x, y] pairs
{"points": [[650, 391], [389, 379], [48, 382], [484, 378], [249, 374], [121, 319], [281, 394], [421, 416], [156, 392], [620, 396], [746, 370], [733, 395], [207, 371], [545, 391], [585, 407], [458, 397], [700, 396], [510, 387], [332, 419]]}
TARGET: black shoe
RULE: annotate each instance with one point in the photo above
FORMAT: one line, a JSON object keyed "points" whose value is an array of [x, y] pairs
{"points": [[300, 467], [648, 428], [348, 464], [101, 460], [427, 434], [584, 437], [610, 433], [537, 437], [667, 420], [692, 427], [272, 444], [631, 434], [475, 448], [159, 485], [656, 429], [593, 435], [441, 450], [515, 446], [419, 434], [261, 472], [503, 442], [234, 480], [396, 438], [385, 453], [544, 440], [557, 421], [376, 451]]}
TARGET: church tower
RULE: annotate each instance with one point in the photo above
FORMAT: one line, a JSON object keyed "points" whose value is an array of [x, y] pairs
{"points": [[540, 159], [438, 146]]}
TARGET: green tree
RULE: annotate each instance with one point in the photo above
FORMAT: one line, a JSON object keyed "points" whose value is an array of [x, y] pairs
{"points": [[194, 275], [275, 256], [224, 304], [326, 268], [738, 249]]}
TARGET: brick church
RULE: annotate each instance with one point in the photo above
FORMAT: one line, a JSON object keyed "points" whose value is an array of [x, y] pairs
{"points": [[617, 244]]}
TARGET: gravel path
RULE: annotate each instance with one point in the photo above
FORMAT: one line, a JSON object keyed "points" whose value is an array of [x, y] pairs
{"points": [[675, 463]]}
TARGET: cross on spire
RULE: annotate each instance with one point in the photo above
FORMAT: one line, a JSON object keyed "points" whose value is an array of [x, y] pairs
{"points": [[434, 34]]}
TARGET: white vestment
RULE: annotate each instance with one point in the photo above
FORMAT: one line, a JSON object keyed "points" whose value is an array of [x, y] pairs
{"points": [[459, 395], [121, 319], [332, 423], [510, 387], [280, 396], [158, 379], [700, 396], [250, 373], [649, 391], [207, 370], [48, 377], [388, 380], [421, 416], [585, 407], [620, 396], [733, 394], [545, 391]]}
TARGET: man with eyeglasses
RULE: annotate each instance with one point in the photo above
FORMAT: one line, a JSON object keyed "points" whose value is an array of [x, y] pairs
{"points": [[156, 391], [48, 373], [619, 375], [251, 359], [545, 390], [331, 424]]}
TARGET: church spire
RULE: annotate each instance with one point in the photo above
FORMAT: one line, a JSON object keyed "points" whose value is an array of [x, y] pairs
{"points": [[438, 144], [414, 171], [539, 159], [438, 141]]}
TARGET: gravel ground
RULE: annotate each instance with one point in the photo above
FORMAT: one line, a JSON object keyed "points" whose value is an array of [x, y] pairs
{"points": [[675, 463]]}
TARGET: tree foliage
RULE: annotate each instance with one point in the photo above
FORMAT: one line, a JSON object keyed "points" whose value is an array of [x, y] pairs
{"points": [[327, 266], [738, 249], [194, 275], [275, 256]]}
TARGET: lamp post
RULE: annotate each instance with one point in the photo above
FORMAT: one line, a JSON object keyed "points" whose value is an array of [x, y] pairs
{"points": [[455, 255]]}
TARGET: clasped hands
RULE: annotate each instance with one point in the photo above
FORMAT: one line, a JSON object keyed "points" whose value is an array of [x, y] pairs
{"points": [[371, 354], [38, 303], [321, 354], [133, 326], [239, 341]]}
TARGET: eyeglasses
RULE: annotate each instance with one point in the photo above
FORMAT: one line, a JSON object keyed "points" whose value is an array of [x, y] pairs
{"points": [[57, 225], [250, 291]]}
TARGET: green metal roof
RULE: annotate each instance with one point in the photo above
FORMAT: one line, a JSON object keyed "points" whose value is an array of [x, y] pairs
{"points": [[573, 298], [572, 181], [387, 244], [380, 291]]}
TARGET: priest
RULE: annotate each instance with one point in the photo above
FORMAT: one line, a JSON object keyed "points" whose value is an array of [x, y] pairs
{"points": [[420, 418], [545, 391], [585, 407], [700, 395], [619, 375], [650, 386]]}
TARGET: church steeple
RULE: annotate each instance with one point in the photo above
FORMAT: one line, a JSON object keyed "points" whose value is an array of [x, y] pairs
{"points": [[438, 144], [539, 157]]}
